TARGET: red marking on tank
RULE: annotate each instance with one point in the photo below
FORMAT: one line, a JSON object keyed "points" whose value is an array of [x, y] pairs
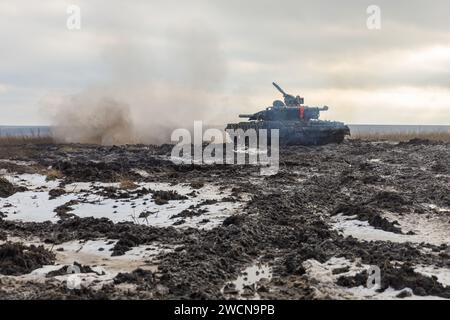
{"points": [[302, 112]]}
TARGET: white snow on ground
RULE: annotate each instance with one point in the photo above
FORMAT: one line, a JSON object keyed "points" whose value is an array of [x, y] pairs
{"points": [[442, 274], [388, 294], [324, 282], [97, 255], [98, 252], [437, 208], [426, 230], [32, 181], [34, 205], [161, 214], [142, 173]]}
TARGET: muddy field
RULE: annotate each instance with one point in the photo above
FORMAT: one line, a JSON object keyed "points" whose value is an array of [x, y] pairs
{"points": [[89, 222]]}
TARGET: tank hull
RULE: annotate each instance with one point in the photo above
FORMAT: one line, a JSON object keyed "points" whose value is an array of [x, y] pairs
{"points": [[299, 133]]}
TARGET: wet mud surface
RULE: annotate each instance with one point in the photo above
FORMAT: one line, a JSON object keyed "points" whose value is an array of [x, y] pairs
{"points": [[359, 203]]}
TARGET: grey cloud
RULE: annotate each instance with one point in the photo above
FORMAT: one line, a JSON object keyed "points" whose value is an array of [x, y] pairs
{"points": [[174, 45]]}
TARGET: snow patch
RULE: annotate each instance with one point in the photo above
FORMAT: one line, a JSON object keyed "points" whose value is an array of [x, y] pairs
{"points": [[324, 282], [425, 229], [34, 205]]}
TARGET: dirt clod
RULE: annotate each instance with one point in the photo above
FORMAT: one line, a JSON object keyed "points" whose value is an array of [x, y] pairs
{"points": [[17, 259]]}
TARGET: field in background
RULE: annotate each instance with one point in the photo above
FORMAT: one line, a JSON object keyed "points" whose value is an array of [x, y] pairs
{"points": [[14, 140], [16, 135], [402, 136], [391, 136]]}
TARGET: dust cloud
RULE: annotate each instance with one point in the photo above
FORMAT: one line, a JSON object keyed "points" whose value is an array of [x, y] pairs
{"points": [[89, 118], [150, 90]]}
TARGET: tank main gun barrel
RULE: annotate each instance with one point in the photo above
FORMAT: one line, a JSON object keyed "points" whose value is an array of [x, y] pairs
{"points": [[246, 115], [279, 89]]}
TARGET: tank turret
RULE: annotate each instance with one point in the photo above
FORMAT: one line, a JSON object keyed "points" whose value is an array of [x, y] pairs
{"points": [[286, 113], [289, 100], [291, 109]]}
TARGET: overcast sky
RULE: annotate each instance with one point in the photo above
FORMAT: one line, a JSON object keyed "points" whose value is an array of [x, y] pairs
{"points": [[227, 53]]}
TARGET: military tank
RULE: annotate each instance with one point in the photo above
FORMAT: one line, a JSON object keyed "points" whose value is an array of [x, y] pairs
{"points": [[298, 124]]}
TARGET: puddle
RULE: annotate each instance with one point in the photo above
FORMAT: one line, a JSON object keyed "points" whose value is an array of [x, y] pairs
{"points": [[246, 284]]}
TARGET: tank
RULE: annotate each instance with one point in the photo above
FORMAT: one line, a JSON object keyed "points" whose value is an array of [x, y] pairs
{"points": [[298, 124]]}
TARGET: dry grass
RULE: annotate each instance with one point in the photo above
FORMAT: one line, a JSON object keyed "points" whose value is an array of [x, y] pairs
{"points": [[17, 140], [404, 136], [54, 174], [127, 184]]}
